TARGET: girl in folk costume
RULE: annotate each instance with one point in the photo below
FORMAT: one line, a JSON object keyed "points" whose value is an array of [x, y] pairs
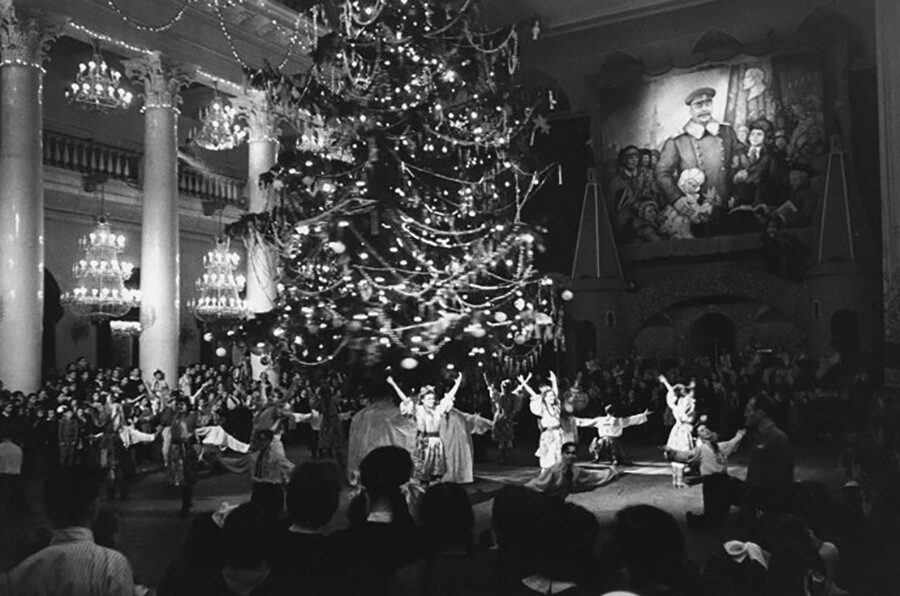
{"points": [[556, 422], [506, 405], [680, 400], [429, 461]]}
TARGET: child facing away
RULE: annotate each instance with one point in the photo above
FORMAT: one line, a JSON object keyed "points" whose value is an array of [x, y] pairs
{"points": [[690, 208]]}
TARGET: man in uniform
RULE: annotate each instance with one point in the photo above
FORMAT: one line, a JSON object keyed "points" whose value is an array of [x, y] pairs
{"points": [[705, 144]]}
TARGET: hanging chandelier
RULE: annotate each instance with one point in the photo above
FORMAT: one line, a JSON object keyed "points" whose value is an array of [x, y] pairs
{"points": [[219, 288], [100, 276], [97, 86], [220, 130]]}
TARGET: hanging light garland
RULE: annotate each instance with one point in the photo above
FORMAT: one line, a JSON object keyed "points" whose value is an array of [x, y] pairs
{"points": [[402, 230], [97, 86], [218, 289], [220, 129]]}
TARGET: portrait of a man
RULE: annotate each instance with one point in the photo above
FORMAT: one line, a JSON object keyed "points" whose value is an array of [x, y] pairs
{"points": [[705, 144]]}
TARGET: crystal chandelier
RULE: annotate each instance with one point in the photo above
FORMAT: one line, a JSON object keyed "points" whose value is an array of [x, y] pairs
{"points": [[219, 288], [97, 86], [220, 130], [100, 290]]}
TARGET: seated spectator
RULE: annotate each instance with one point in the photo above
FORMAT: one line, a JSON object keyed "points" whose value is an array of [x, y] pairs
{"points": [[545, 546], [72, 565], [743, 567], [301, 549], [203, 554], [646, 554], [12, 491], [382, 537], [451, 566], [246, 534]]}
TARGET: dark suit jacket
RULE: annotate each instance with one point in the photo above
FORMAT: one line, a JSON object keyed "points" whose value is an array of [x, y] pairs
{"points": [[711, 153]]}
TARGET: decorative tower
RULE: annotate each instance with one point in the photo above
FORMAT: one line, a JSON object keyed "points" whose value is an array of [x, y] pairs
{"points": [[597, 283], [844, 280]]}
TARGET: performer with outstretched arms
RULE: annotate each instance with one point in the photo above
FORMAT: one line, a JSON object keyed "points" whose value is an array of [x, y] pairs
{"points": [[606, 444], [557, 426], [429, 460], [680, 400], [564, 477]]}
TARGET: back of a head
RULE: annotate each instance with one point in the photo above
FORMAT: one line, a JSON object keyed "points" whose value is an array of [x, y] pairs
{"points": [[446, 514], [649, 541], [246, 534], [385, 469], [313, 494], [764, 403], [70, 496]]}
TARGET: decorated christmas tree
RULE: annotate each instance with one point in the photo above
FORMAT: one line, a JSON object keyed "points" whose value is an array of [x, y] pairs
{"points": [[397, 222]]}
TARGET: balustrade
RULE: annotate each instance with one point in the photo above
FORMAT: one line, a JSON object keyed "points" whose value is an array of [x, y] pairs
{"points": [[90, 157]]}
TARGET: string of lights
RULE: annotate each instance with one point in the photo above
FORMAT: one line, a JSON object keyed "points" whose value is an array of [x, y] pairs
{"points": [[142, 26]]}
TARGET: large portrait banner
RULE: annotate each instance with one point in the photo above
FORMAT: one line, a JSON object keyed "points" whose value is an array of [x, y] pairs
{"points": [[727, 148]]}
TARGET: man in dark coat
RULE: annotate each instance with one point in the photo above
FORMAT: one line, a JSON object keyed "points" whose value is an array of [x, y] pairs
{"points": [[705, 144]]}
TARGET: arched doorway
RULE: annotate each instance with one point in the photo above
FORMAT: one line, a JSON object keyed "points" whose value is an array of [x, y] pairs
{"points": [[712, 334], [845, 334]]}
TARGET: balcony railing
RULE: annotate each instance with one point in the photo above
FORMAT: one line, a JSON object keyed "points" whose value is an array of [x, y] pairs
{"points": [[89, 157]]}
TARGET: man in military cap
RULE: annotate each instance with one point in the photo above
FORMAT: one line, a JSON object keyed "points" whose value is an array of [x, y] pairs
{"points": [[705, 144]]}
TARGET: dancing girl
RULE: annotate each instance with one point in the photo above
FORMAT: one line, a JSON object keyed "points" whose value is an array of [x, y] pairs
{"points": [[557, 425], [680, 400], [429, 459]]}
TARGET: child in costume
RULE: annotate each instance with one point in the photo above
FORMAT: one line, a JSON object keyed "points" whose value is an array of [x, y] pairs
{"points": [[429, 459], [680, 400], [689, 208]]}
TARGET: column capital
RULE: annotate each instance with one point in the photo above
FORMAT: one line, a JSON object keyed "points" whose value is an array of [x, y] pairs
{"points": [[161, 79], [25, 38], [262, 121]]}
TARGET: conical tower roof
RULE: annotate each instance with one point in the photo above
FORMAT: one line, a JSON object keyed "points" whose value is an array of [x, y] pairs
{"points": [[843, 233], [596, 255]]}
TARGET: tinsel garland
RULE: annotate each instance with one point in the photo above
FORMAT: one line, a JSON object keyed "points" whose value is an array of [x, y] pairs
{"points": [[398, 219]]}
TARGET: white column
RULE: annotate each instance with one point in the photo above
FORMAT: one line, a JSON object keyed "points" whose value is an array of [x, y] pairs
{"points": [[160, 272], [887, 32], [23, 43], [261, 260]]}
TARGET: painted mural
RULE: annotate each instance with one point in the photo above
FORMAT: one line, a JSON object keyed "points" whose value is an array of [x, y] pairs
{"points": [[729, 148]]}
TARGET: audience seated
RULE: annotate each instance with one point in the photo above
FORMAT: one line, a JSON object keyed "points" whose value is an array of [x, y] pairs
{"points": [[300, 549], [646, 555], [451, 565], [72, 564], [382, 536], [546, 546]]}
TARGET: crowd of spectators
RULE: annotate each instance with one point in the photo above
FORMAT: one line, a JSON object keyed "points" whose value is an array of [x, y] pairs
{"points": [[812, 543], [825, 400]]}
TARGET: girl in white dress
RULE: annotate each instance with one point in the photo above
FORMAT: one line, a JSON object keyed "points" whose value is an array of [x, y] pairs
{"points": [[680, 400], [429, 459]]}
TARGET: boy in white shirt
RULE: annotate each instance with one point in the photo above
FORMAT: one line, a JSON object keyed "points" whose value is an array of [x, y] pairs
{"points": [[720, 490]]}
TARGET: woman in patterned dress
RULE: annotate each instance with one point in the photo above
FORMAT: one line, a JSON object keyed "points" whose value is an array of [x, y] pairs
{"points": [[429, 460]]}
